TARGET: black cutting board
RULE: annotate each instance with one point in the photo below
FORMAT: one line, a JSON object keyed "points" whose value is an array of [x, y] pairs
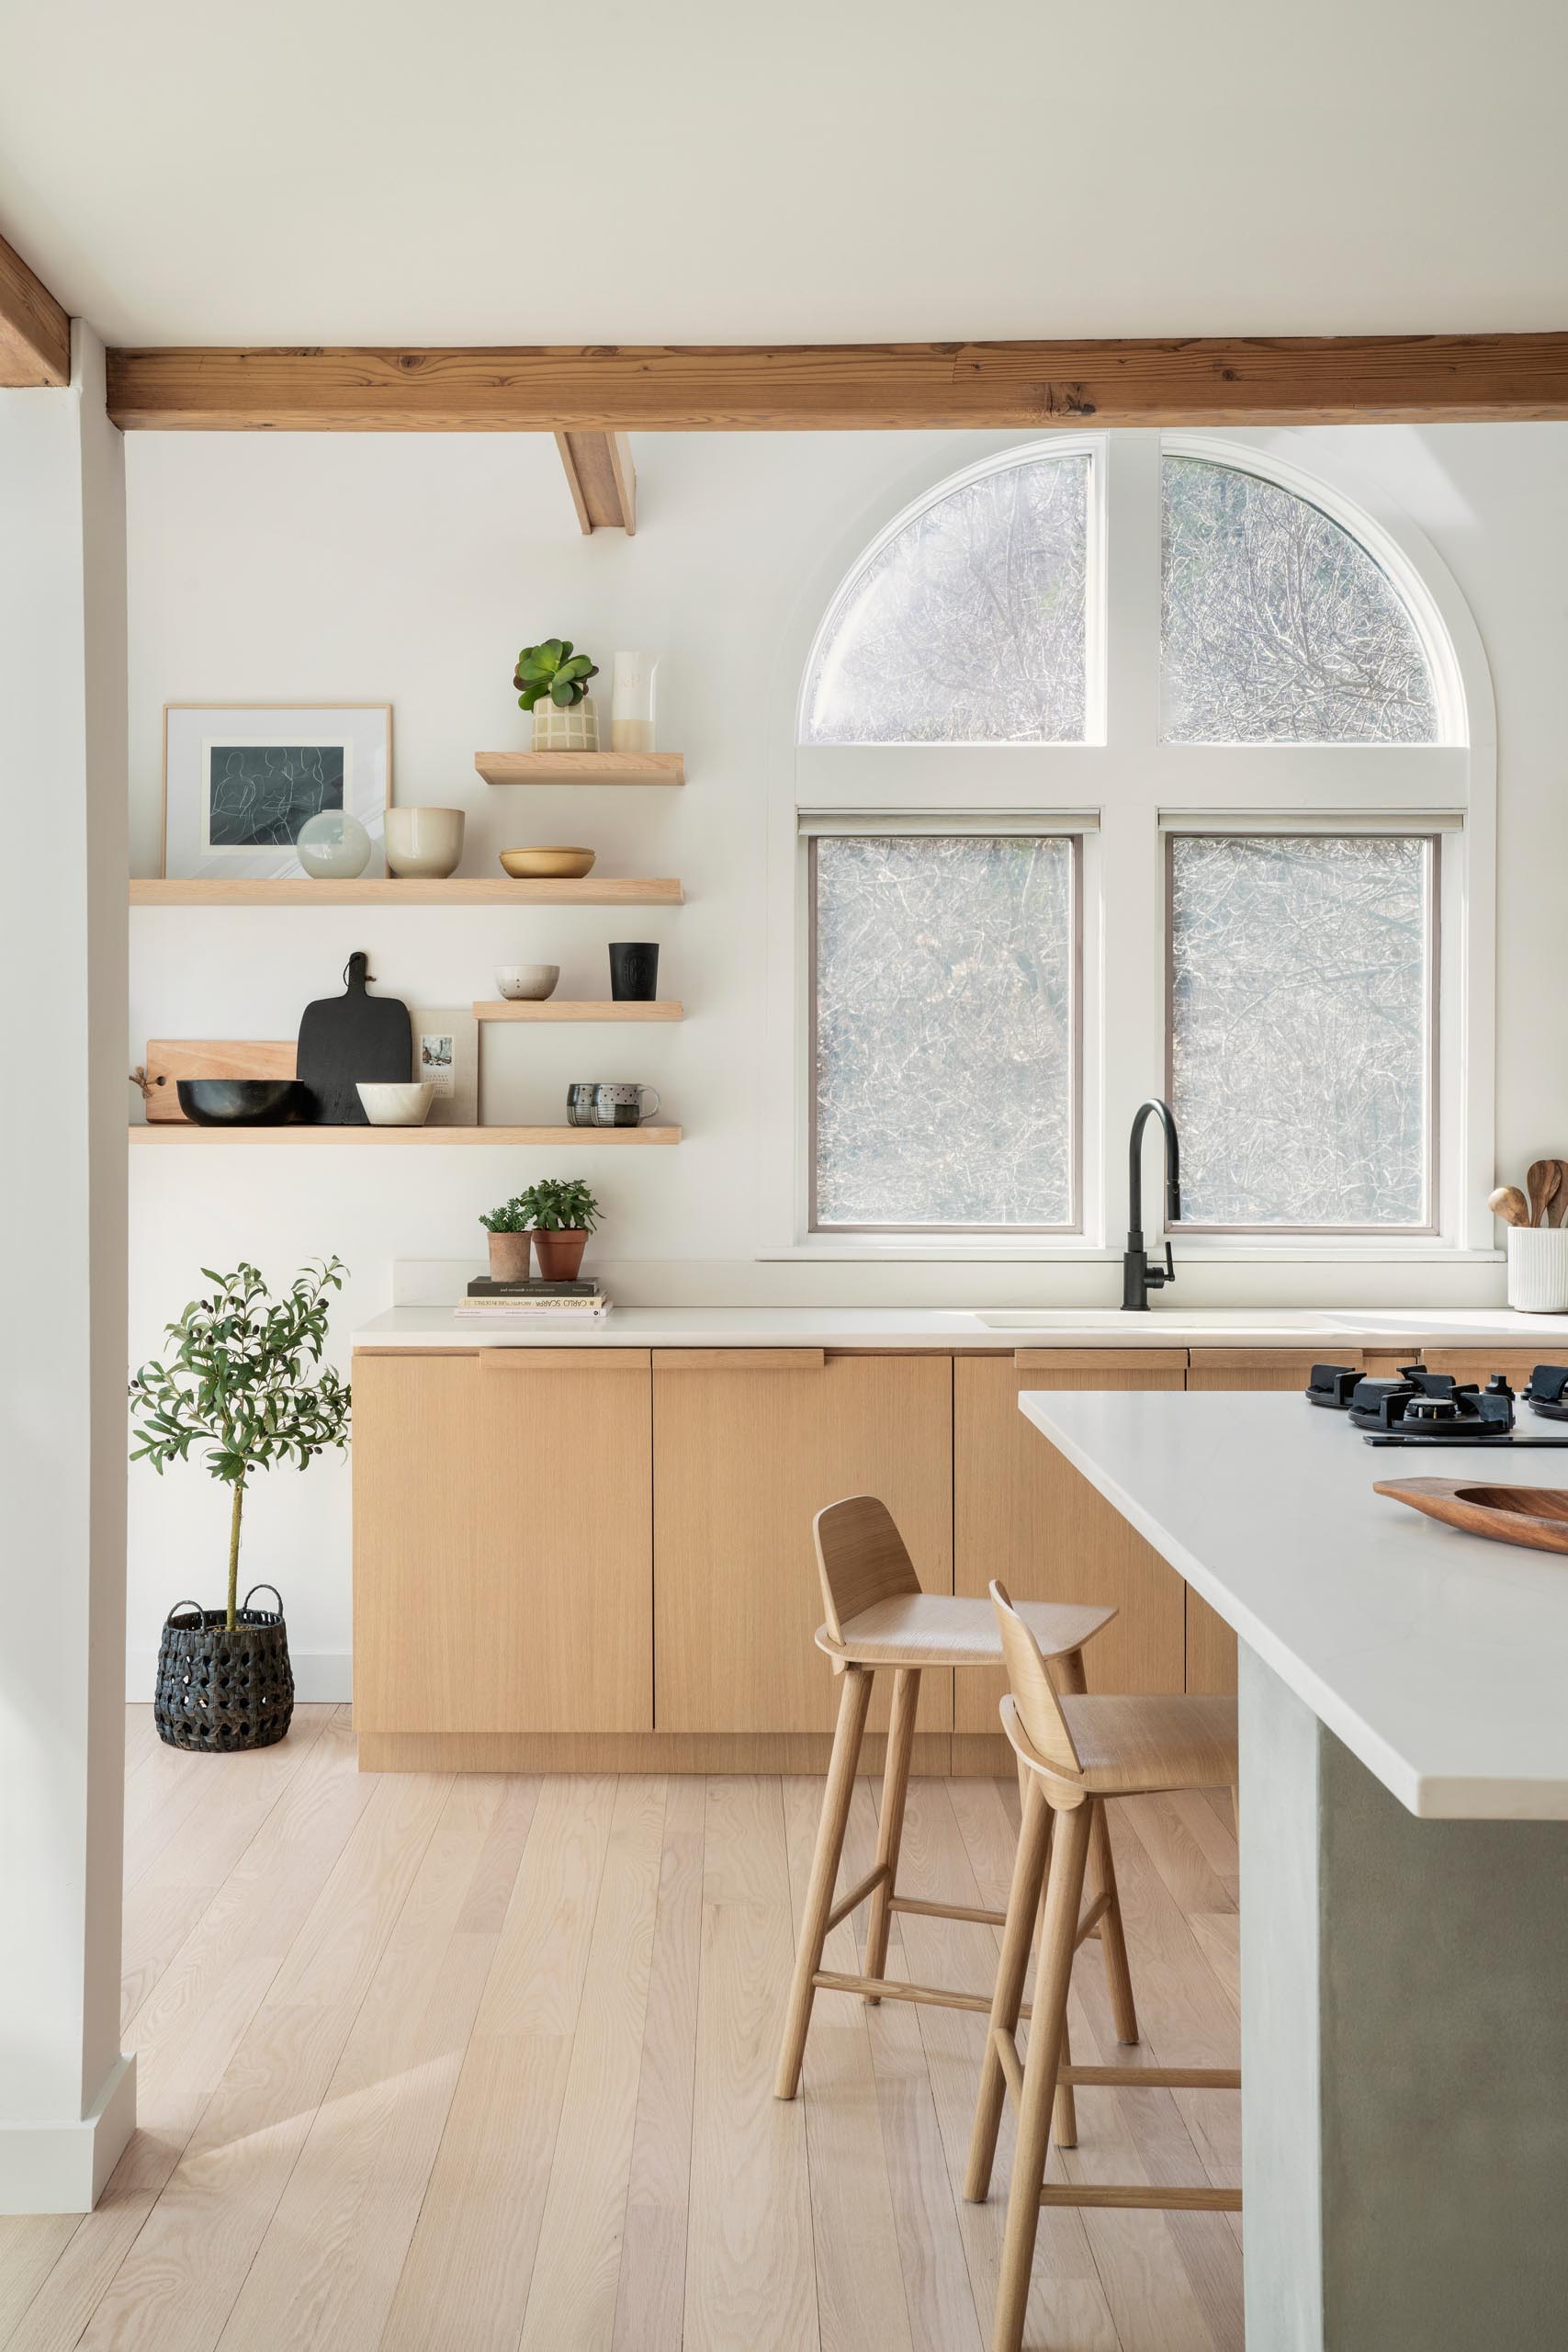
{"points": [[345, 1038]]}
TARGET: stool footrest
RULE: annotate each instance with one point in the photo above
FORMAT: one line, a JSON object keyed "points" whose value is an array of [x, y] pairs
{"points": [[857, 1894], [948, 1911], [893, 1988], [1136, 2194]]}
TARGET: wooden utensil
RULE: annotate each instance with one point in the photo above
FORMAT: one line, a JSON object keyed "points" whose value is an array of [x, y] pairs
{"points": [[1563, 1192], [1536, 1516], [1541, 1181], [1508, 1203], [170, 1059]]}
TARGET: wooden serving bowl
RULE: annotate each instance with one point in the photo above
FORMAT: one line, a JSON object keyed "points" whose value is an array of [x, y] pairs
{"points": [[548, 865], [1534, 1516]]}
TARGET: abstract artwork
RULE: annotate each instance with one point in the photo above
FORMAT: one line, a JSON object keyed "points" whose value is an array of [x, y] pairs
{"points": [[241, 780]]}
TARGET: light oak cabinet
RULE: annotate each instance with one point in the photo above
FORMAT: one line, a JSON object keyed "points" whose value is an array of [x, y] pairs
{"points": [[503, 1542], [748, 1446], [1021, 1512]]}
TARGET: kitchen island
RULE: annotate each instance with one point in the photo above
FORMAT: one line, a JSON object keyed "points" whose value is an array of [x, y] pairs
{"points": [[1404, 1858]]}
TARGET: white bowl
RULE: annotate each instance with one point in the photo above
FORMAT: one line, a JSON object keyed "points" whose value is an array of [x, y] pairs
{"points": [[527, 983], [397, 1106]]}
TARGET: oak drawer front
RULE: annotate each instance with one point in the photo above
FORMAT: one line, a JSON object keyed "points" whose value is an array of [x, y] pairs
{"points": [[746, 1452], [503, 1545], [1021, 1512]]}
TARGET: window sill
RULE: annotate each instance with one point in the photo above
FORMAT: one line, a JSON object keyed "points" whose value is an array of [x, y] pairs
{"points": [[1212, 1250]]}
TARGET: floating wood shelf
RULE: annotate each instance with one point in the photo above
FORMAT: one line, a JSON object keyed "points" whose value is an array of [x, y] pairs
{"points": [[181, 1132], [582, 767], [299, 891], [559, 1009]]}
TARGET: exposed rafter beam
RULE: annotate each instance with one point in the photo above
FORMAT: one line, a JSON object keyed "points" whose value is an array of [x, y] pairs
{"points": [[602, 479], [803, 388], [35, 331]]}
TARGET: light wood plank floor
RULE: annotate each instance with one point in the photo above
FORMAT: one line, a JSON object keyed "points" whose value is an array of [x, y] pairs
{"points": [[442, 2065]]}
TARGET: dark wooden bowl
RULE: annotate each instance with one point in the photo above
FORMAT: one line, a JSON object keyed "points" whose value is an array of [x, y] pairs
{"points": [[1536, 1516], [238, 1102]]}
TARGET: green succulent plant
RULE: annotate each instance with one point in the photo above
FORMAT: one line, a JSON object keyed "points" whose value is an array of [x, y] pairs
{"points": [[554, 670], [511, 1217]]}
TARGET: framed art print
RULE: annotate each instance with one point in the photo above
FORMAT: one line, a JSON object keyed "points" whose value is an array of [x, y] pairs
{"points": [[239, 779], [447, 1053]]}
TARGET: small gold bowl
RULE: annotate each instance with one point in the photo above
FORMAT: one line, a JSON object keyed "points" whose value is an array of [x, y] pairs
{"points": [[548, 865]]}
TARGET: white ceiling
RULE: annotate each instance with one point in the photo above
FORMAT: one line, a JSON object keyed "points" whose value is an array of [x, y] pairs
{"points": [[482, 171]]}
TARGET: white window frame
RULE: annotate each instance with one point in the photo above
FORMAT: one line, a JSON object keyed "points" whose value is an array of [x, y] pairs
{"points": [[1133, 786]]}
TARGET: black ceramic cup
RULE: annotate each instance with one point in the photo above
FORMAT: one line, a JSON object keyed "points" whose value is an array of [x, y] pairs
{"points": [[634, 971]]}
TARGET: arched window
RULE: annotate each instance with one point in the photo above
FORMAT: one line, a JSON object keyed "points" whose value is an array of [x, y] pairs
{"points": [[1129, 767]]}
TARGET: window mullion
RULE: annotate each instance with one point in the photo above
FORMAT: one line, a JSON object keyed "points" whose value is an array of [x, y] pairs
{"points": [[1132, 548]]}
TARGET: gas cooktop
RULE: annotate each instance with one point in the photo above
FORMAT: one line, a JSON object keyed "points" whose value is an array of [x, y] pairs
{"points": [[1423, 1408]]}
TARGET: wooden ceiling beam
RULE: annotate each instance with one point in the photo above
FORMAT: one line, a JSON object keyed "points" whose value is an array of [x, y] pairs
{"points": [[834, 388], [35, 330], [602, 479]]}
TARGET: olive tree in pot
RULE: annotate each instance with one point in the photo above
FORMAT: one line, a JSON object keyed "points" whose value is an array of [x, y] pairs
{"points": [[244, 1379], [562, 1214]]}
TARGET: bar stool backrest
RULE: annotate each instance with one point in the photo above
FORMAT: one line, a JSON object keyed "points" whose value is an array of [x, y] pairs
{"points": [[862, 1559], [1033, 1693]]}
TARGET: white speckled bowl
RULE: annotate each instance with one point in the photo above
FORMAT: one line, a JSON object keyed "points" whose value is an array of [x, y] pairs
{"points": [[527, 983], [397, 1106]]}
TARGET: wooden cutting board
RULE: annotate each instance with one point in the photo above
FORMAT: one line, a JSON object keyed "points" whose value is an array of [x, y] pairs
{"points": [[344, 1040], [170, 1059], [1536, 1516]]}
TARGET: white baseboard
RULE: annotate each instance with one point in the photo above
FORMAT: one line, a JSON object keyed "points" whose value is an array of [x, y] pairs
{"points": [[325, 1675], [64, 2168]]}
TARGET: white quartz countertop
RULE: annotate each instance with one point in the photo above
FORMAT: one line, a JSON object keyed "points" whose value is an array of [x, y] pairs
{"points": [[1440, 1660], [1312, 1330]]}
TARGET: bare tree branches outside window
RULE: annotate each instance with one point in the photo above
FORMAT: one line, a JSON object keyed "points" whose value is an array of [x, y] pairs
{"points": [[1300, 1005], [943, 1031], [1278, 628], [968, 626]]}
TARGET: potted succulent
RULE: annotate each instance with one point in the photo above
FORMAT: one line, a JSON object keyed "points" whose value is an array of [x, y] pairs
{"points": [[511, 1243], [552, 683], [563, 1213], [244, 1378]]}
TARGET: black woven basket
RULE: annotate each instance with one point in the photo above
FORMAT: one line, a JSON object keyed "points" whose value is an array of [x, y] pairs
{"points": [[219, 1690]]}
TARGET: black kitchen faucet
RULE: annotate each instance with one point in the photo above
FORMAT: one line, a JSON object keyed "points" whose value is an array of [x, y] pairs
{"points": [[1138, 1277]]}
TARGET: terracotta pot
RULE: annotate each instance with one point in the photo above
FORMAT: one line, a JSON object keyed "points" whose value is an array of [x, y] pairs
{"points": [[559, 1253], [509, 1256]]}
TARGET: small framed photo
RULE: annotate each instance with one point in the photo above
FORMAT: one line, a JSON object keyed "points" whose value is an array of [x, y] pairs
{"points": [[447, 1053], [239, 779]]}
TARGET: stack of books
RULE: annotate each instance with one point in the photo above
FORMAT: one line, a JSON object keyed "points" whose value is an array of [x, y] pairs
{"points": [[533, 1300]]}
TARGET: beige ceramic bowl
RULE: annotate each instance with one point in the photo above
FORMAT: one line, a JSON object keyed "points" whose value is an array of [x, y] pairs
{"points": [[548, 865], [527, 983], [423, 844], [397, 1105]]}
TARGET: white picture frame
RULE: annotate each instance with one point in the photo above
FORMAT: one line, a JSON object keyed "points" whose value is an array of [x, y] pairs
{"points": [[239, 779]]}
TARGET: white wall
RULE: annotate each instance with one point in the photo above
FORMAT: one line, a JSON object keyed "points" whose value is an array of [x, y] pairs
{"points": [[410, 568], [67, 2095]]}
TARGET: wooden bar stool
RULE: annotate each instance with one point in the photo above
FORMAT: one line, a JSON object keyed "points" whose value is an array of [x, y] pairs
{"points": [[878, 1617], [1079, 1753]]}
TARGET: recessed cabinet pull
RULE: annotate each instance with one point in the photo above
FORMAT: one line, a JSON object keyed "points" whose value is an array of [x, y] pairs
{"points": [[599, 1358], [739, 1359]]}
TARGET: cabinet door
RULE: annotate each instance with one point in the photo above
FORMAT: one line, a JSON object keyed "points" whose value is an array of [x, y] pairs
{"points": [[748, 1445], [1210, 1644], [1021, 1512], [1480, 1363], [503, 1541]]}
